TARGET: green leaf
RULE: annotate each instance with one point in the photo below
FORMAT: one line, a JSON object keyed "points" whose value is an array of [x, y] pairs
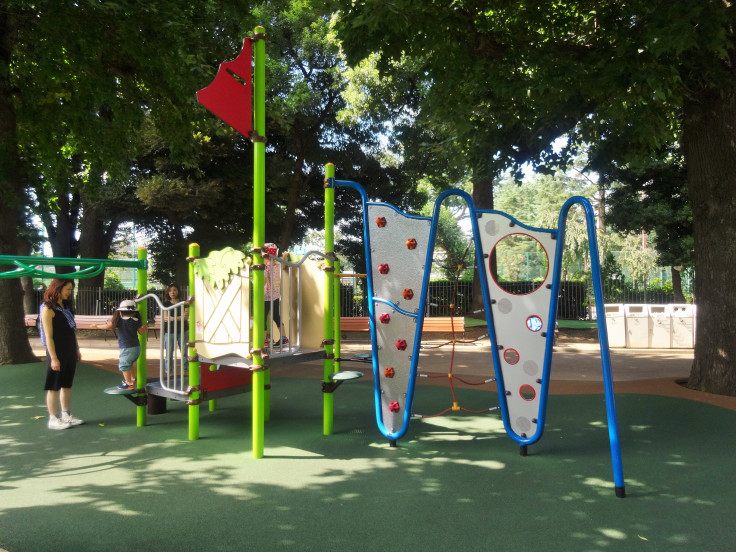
{"points": [[220, 266]]}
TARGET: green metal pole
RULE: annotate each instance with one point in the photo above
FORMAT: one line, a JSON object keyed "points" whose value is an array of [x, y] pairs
{"points": [[335, 320], [194, 379], [141, 375], [259, 230], [212, 402], [327, 415]]}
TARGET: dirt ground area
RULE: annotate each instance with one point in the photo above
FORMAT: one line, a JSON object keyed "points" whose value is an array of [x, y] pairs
{"points": [[576, 363]]}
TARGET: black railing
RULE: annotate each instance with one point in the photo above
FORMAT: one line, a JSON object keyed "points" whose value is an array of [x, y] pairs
{"points": [[100, 301], [573, 302]]}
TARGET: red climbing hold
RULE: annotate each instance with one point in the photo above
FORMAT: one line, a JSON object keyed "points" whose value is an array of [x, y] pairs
{"points": [[384, 318], [401, 345], [383, 268], [394, 406]]}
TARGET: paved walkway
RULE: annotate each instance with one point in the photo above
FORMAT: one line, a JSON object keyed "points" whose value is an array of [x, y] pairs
{"points": [[576, 367]]}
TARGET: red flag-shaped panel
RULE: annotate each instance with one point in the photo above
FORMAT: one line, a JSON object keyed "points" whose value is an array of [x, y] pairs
{"points": [[229, 96]]}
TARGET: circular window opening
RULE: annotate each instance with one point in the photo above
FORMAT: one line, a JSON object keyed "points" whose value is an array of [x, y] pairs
{"points": [[511, 356], [519, 264], [527, 392], [534, 323]]}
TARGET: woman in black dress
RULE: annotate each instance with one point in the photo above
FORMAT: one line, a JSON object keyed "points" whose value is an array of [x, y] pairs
{"points": [[62, 352]]}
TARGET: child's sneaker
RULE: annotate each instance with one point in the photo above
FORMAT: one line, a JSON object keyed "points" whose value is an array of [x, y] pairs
{"points": [[56, 423], [125, 385], [71, 420]]}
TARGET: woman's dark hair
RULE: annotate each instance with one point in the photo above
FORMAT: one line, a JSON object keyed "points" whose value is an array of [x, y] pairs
{"points": [[51, 296]]}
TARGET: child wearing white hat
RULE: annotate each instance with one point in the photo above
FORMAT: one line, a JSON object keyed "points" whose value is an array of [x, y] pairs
{"points": [[127, 322]]}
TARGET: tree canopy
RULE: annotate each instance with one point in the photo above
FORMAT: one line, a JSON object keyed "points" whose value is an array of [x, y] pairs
{"points": [[80, 82], [626, 79], [100, 125], [98, 120]]}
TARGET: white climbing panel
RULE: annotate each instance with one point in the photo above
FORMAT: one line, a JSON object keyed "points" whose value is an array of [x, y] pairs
{"points": [[398, 245], [520, 317]]}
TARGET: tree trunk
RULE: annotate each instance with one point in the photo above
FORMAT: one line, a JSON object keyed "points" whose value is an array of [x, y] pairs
{"points": [[95, 242], [483, 199], [26, 282], [29, 295], [601, 211], [296, 188], [677, 285], [14, 345], [710, 151], [62, 237]]}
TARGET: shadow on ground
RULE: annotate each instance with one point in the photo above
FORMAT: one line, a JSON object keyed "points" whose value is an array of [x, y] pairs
{"points": [[455, 482]]}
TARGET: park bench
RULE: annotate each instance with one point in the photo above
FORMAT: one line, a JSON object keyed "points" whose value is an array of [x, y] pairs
{"points": [[433, 324], [84, 322], [90, 322]]}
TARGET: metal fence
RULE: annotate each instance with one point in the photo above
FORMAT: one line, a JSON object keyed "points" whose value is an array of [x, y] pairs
{"points": [[98, 301], [573, 302], [443, 296]]}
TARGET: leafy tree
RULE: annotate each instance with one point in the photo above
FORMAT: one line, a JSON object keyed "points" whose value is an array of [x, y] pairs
{"points": [[454, 249], [538, 201], [638, 259], [210, 202], [630, 78], [100, 121], [78, 83], [612, 274], [654, 198], [113, 282]]}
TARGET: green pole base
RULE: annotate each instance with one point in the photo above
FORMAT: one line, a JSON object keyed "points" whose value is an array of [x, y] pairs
{"points": [[193, 422], [327, 419]]}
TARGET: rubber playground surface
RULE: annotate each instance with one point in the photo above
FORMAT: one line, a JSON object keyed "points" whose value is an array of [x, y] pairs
{"points": [[455, 482]]}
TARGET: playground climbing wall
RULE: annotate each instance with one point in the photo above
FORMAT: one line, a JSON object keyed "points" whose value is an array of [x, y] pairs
{"points": [[398, 246], [521, 319], [399, 252]]}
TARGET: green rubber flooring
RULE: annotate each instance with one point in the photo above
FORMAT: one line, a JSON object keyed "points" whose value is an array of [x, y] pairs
{"points": [[453, 483]]}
